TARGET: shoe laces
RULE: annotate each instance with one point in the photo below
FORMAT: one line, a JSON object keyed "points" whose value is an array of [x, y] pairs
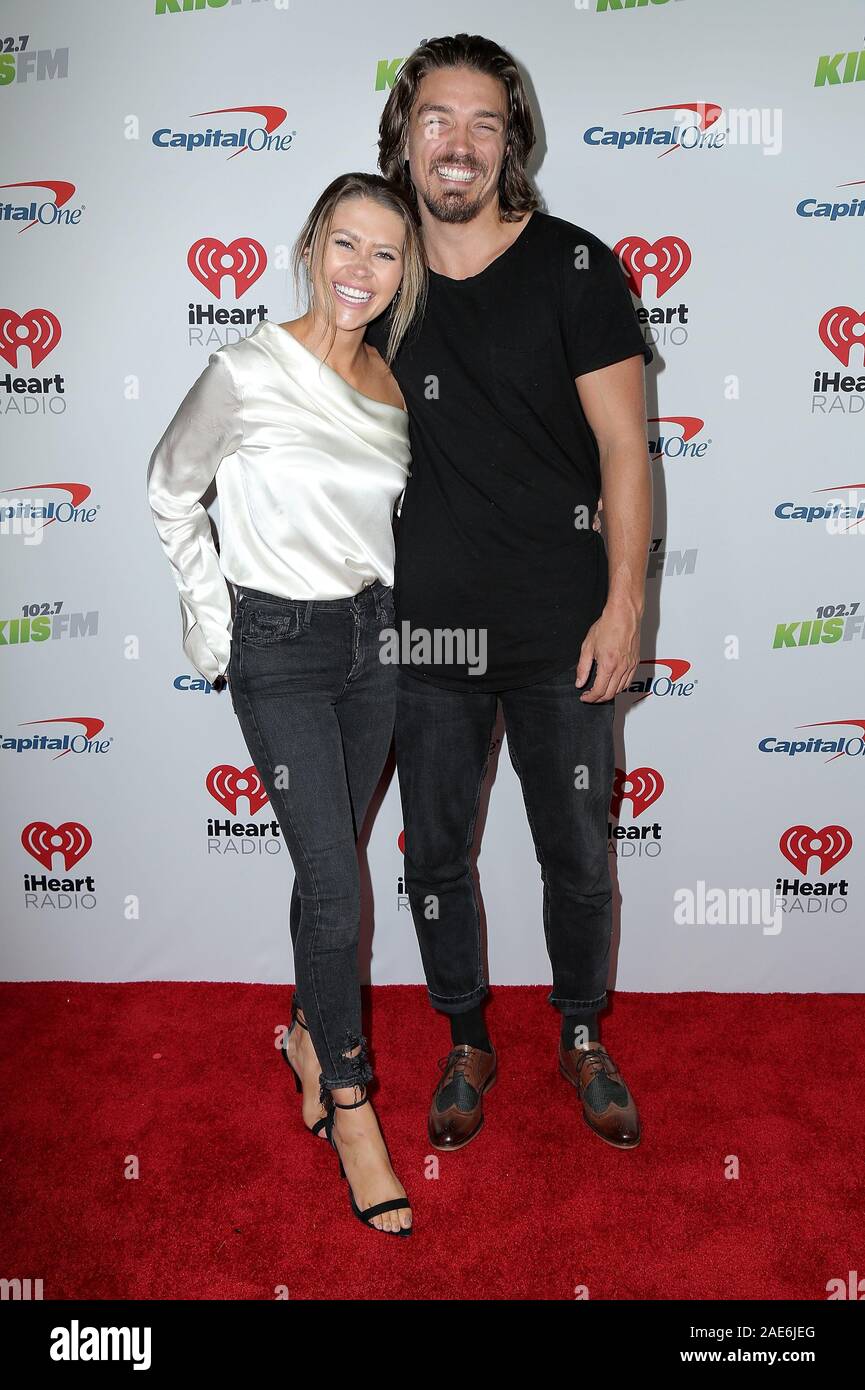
{"points": [[600, 1057], [457, 1059]]}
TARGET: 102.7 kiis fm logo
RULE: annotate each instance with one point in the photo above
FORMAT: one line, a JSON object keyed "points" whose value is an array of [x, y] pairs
{"points": [[165, 7], [832, 622], [19, 63], [669, 563], [47, 622]]}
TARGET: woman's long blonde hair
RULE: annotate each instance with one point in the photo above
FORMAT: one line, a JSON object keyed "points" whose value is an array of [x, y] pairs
{"points": [[410, 298]]}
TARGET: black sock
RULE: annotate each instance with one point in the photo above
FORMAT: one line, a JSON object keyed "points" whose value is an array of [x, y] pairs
{"points": [[470, 1028], [588, 1021]]}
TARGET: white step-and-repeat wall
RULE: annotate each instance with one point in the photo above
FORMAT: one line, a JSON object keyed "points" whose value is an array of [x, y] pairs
{"points": [[717, 145]]}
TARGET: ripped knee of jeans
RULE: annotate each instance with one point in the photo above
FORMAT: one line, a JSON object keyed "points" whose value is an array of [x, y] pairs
{"points": [[354, 1068]]}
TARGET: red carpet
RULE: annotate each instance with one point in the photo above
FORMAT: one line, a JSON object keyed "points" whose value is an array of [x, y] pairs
{"points": [[234, 1198]]}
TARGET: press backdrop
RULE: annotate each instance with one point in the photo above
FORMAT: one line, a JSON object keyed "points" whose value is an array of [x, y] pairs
{"points": [[133, 245]]}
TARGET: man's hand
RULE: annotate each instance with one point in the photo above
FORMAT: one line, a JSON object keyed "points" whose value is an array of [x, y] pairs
{"points": [[614, 643]]}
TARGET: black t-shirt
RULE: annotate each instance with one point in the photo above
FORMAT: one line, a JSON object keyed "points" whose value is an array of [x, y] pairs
{"points": [[502, 456]]}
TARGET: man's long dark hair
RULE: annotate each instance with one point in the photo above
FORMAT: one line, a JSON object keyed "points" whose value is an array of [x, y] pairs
{"points": [[516, 195]]}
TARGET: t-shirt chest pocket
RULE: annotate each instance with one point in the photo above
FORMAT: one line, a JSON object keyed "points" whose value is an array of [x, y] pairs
{"points": [[526, 377]]}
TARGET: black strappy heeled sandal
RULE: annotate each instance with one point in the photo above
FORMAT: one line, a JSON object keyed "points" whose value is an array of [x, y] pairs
{"points": [[296, 1020], [393, 1204]]}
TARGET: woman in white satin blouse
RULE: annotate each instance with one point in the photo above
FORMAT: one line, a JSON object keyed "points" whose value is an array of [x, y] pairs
{"points": [[304, 430]]}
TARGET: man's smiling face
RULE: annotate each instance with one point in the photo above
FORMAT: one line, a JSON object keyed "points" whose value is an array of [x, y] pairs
{"points": [[457, 141]]}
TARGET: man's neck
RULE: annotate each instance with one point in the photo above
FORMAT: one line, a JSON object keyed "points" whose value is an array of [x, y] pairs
{"points": [[462, 249]]}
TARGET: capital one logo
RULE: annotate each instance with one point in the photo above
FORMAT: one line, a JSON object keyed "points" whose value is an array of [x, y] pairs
{"points": [[841, 328], [642, 787], [800, 844], [228, 784], [256, 140], [677, 445], [70, 840], [244, 260], [670, 685], [668, 259], [38, 329], [49, 213], [706, 112], [67, 509], [682, 134]]}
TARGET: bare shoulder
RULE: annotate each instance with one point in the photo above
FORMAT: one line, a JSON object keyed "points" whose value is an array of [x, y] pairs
{"points": [[382, 382]]}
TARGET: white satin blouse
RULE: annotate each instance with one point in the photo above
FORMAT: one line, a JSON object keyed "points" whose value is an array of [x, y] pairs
{"points": [[307, 470]]}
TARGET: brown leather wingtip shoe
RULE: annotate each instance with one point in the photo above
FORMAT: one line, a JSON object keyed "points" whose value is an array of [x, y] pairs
{"points": [[457, 1110], [608, 1106]]}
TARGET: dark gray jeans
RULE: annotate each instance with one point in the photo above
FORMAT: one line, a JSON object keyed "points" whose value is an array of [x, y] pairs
{"points": [[316, 707], [442, 750]]}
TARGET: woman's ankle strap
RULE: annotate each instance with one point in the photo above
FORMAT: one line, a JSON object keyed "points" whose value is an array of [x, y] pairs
{"points": [[349, 1105], [295, 1015]]}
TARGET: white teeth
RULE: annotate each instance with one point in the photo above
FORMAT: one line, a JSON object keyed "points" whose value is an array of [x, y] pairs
{"points": [[455, 172], [360, 295]]}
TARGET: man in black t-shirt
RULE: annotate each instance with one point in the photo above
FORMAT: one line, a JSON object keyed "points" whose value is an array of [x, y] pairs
{"points": [[524, 386]]}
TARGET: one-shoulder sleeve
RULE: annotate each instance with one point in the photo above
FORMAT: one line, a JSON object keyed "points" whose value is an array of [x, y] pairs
{"points": [[207, 427]]}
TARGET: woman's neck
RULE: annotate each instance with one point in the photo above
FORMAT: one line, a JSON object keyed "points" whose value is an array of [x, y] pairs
{"points": [[347, 352]]}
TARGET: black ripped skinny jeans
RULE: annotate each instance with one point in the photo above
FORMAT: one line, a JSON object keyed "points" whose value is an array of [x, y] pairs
{"points": [[316, 707]]}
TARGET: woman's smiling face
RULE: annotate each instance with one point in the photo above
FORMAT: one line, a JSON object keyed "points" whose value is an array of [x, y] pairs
{"points": [[362, 264]]}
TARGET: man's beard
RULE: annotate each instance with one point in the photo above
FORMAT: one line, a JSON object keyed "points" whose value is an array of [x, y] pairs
{"points": [[454, 206]]}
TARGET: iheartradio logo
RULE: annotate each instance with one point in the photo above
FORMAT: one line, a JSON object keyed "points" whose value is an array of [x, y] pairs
{"points": [[244, 260], [71, 841], [841, 328], [642, 787], [668, 259], [228, 784], [800, 844], [38, 329]]}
